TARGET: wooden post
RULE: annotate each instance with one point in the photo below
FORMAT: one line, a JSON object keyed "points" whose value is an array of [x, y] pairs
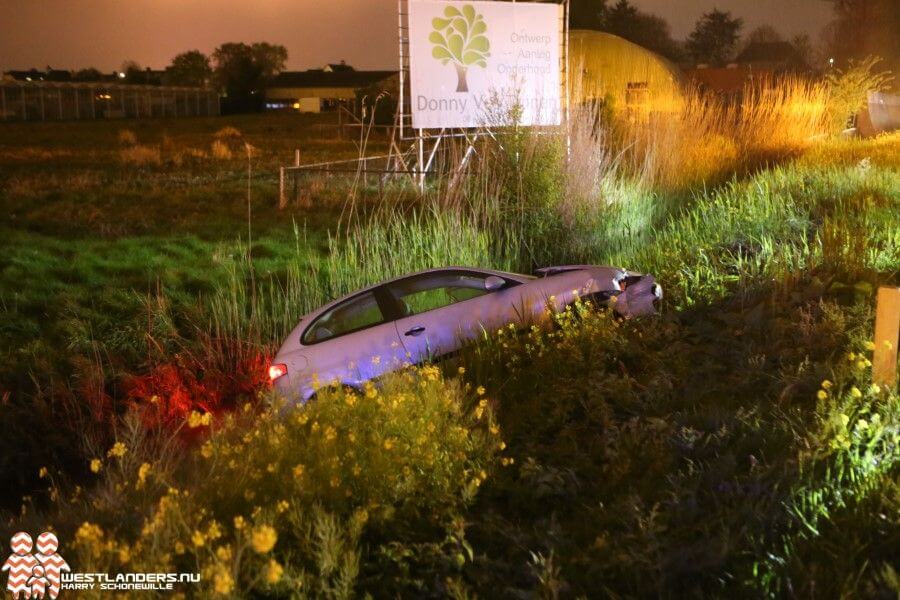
{"points": [[282, 201], [294, 175], [887, 336]]}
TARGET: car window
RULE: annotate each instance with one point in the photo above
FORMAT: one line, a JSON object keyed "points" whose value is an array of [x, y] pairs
{"points": [[436, 290], [357, 313]]}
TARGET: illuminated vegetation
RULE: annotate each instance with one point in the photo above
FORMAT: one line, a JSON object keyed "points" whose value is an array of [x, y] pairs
{"points": [[733, 446]]}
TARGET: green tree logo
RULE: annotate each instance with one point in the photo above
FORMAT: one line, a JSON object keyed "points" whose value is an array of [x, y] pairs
{"points": [[460, 37]]}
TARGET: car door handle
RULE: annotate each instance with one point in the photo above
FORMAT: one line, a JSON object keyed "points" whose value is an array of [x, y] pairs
{"points": [[415, 331]]}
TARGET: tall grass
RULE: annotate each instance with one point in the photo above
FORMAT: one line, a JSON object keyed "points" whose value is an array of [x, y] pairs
{"points": [[705, 139]]}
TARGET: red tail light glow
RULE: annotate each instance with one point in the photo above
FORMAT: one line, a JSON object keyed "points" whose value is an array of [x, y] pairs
{"points": [[277, 371]]}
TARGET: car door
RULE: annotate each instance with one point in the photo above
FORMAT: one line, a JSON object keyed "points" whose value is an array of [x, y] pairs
{"points": [[353, 341], [442, 310]]}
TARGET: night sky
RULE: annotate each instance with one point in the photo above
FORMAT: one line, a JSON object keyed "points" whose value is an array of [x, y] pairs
{"points": [[71, 34]]}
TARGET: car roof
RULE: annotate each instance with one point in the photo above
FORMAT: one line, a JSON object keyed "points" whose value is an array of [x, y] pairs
{"points": [[326, 307]]}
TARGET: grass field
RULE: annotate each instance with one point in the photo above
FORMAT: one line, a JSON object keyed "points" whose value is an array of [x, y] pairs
{"points": [[733, 446]]}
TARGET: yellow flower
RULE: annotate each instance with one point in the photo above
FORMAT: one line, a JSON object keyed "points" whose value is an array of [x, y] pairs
{"points": [[223, 553], [179, 548], [206, 450], [461, 370], [854, 391], [197, 538], [298, 471], [821, 394], [214, 531], [480, 390], [282, 506], [870, 345], [124, 554], [862, 425], [826, 385], [143, 471], [388, 444], [239, 522], [330, 433], [196, 419], [263, 538], [223, 582], [118, 450], [274, 571], [88, 533], [42, 473]]}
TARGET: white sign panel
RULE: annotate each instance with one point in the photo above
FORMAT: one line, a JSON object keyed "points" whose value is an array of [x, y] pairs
{"points": [[474, 64]]}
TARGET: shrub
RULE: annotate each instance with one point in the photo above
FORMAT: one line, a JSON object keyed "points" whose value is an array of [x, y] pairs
{"points": [[141, 155], [221, 151], [291, 493], [127, 137], [848, 90], [229, 133]]}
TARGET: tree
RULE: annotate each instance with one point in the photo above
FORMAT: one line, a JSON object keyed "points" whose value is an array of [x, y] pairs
{"points": [[587, 14], [460, 38], [189, 68], [242, 71], [626, 21], [89, 74], [764, 34], [714, 37], [862, 28], [650, 31], [804, 47]]}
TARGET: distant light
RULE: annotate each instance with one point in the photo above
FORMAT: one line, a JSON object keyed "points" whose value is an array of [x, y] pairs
{"points": [[28, 79], [297, 105], [121, 75], [831, 61]]}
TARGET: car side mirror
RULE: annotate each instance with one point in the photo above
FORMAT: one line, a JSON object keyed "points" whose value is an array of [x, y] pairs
{"points": [[494, 283]]}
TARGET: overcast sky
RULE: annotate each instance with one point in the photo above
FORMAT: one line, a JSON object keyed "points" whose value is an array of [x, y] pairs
{"points": [[70, 34]]}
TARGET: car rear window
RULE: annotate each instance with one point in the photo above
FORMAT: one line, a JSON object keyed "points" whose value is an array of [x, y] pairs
{"points": [[352, 315]]}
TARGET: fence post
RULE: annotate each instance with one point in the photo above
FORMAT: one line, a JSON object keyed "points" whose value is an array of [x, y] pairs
{"points": [[887, 336], [294, 175], [282, 202]]}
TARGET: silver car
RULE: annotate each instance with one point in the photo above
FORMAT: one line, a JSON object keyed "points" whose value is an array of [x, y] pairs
{"points": [[431, 314]]}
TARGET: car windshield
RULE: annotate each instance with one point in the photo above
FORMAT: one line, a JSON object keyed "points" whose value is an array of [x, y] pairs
{"points": [[435, 290], [356, 313]]}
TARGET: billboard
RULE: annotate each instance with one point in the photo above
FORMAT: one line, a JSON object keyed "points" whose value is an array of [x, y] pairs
{"points": [[473, 63]]}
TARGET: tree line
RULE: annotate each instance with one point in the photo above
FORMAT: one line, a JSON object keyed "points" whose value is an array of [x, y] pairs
{"points": [[859, 28]]}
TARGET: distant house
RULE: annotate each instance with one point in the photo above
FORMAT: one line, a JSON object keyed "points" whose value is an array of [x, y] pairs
{"points": [[776, 57], [317, 90], [730, 80]]}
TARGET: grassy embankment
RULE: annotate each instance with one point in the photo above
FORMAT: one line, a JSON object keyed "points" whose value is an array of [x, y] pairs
{"points": [[732, 445]]}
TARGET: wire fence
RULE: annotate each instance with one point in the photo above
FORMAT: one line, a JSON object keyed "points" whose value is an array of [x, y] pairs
{"points": [[61, 101]]}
